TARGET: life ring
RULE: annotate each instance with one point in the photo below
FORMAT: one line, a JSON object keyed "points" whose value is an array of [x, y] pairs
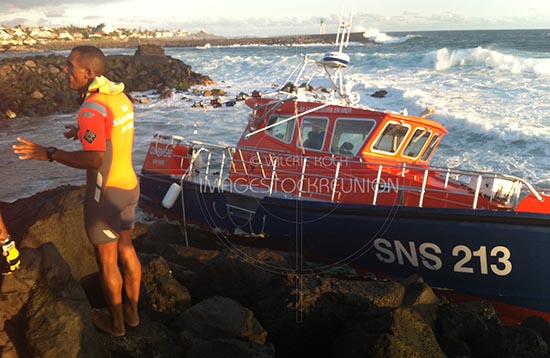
{"points": [[354, 97]]}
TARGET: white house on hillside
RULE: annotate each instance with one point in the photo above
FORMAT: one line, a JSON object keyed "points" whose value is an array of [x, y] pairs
{"points": [[64, 35]]}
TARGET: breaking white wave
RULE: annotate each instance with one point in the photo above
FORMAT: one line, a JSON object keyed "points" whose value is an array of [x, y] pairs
{"points": [[443, 59], [383, 38]]}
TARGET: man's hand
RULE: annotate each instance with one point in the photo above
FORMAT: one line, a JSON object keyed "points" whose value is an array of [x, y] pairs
{"points": [[29, 150], [71, 133]]}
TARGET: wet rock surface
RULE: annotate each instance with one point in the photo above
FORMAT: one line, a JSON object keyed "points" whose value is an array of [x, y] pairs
{"points": [[214, 301], [37, 86]]}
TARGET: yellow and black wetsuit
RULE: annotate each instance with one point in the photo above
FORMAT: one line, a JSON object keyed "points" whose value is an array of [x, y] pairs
{"points": [[106, 123]]}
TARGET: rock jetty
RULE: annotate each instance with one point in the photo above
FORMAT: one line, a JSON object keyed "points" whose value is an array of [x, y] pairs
{"points": [[37, 85], [199, 39], [211, 301]]}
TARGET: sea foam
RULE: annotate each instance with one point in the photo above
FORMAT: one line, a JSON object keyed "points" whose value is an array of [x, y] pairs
{"points": [[383, 38], [443, 59]]}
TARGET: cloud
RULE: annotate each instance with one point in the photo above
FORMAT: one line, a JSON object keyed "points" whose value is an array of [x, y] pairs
{"points": [[16, 21], [33, 4], [55, 12]]}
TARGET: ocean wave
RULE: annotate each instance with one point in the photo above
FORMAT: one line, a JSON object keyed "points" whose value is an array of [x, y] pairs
{"points": [[383, 38], [443, 59]]}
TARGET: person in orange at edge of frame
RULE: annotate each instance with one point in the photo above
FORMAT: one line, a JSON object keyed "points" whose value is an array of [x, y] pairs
{"points": [[9, 251], [106, 132]]}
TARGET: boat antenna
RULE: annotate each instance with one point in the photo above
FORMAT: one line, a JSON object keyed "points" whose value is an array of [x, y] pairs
{"points": [[338, 32], [344, 32]]}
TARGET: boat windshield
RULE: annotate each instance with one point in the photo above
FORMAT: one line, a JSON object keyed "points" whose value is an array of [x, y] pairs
{"points": [[392, 137], [283, 131], [417, 142], [430, 148], [349, 135]]}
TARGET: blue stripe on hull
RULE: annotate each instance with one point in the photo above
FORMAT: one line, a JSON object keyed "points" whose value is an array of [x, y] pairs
{"points": [[497, 255], [503, 259]]}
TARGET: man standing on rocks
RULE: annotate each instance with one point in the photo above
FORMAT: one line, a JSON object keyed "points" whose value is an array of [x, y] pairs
{"points": [[106, 132]]}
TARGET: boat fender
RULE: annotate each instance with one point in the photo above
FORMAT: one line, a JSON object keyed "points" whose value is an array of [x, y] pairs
{"points": [[171, 195]]}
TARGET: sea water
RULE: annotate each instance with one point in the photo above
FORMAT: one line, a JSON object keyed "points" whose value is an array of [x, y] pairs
{"points": [[490, 89]]}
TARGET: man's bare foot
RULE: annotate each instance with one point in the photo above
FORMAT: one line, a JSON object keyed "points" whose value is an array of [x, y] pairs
{"points": [[131, 319], [102, 321]]}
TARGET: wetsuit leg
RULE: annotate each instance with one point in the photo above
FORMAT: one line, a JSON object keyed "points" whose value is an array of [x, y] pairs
{"points": [[97, 228]]}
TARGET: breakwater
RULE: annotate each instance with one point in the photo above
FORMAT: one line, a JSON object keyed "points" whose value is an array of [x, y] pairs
{"points": [[196, 41]]}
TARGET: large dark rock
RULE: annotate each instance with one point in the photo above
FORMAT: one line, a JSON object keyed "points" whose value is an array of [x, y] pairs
{"points": [[400, 332], [45, 311], [57, 216], [162, 293], [149, 50], [37, 86], [57, 314], [470, 329], [241, 275], [221, 317]]}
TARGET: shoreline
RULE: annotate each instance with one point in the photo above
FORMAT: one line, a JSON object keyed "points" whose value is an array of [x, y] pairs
{"points": [[191, 42]]}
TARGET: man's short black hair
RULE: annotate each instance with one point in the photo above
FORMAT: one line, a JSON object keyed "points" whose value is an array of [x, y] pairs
{"points": [[91, 58]]}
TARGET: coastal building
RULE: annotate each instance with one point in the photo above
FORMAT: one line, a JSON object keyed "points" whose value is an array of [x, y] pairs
{"points": [[65, 35], [4, 34]]}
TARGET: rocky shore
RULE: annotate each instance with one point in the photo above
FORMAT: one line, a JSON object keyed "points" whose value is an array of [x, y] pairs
{"points": [[206, 300], [197, 40], [37, 85]]}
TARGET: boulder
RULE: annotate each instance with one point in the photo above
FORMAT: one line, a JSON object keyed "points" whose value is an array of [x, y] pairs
{"points": [[399, 332], [539, 325], [44, 298], [240, 274], [222, 318], [56, 216], [57, 314], [310, 312], [149, 50], [472, 328], [38, 86], [379, 94], [164, 295], [521, 342]]}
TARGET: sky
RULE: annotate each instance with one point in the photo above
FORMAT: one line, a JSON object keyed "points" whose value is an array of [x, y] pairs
{"points": [[280, 17]]}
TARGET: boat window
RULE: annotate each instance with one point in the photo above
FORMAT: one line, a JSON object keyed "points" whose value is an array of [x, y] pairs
{"points": [[417, 142], [313, 133], [430, 148], [349, 135], [391, 138], [282, 131]]}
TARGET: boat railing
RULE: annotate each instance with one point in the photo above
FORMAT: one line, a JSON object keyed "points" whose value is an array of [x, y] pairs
{"points": [[224, 167]]}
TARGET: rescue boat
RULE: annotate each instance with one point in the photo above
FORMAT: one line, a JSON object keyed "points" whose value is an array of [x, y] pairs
{"points": [[318, 174]]}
